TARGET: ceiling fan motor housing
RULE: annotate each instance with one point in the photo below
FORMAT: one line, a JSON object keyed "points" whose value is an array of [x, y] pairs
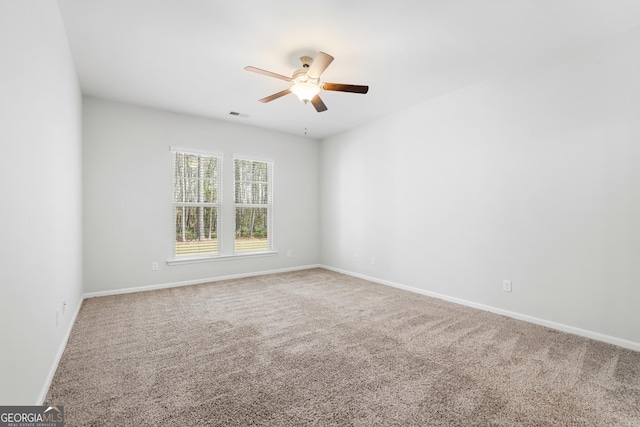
{"points": [[300, 76]]}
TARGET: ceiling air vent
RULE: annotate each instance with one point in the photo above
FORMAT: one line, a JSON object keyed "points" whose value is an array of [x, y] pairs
{"points": [[236, 114]]}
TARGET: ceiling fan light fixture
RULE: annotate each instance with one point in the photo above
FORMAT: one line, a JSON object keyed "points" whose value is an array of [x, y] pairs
{"points": [[305, 91]]}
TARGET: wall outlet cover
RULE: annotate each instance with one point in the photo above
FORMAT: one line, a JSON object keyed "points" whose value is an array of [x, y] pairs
{"points": [[506, 285]]}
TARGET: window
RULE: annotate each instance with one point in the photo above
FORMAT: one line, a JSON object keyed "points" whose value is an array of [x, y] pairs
{"points": [[197, 183], [200, 210], [253, 205]]}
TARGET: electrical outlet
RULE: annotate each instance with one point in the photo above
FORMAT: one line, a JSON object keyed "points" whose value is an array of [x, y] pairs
{"points": [[64, 306], [373, 260], [506, 285], [288, 254], [154, 266], [356, 258]]}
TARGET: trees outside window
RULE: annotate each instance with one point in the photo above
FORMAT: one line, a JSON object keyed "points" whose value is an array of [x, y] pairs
{"points": [[198, 205], [197, 183], [253, 205]]}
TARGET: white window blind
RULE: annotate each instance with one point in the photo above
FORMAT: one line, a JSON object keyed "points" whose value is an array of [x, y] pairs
{"points": [[197, 197], [253, 197]]}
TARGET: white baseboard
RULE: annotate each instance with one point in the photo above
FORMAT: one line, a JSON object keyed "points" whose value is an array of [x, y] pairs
{"points": [[519, 316], [54, 366], [195, 282]]}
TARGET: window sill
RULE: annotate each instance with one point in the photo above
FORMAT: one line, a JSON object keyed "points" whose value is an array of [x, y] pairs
{"points": [[193, 260]]}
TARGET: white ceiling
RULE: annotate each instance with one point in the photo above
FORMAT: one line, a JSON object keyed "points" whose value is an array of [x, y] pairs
{"points": [[188, 55]]}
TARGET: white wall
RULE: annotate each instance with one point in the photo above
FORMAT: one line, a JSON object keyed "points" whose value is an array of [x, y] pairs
{"points": [[40, 171], [127, 194], [533, 178]]}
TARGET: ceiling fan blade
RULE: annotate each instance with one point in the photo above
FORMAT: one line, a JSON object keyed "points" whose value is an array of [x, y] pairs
{"points": [[275, 95], [318, 104], [319, 64], [345, 88], [267, 73]]}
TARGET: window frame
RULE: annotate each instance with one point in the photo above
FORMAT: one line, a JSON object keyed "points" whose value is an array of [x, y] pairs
{"points": [[226, 226], [217, 204], [268, 206]]}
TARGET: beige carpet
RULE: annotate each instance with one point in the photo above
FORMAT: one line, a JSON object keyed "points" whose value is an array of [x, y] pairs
{"points": [[319, 348]]}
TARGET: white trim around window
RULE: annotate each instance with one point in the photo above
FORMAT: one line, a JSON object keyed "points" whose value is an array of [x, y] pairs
{"points": [[201, 204], [253, 205]]}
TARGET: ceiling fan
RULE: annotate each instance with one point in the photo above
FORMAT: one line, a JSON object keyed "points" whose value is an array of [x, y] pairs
{"points": [[306, 81]]}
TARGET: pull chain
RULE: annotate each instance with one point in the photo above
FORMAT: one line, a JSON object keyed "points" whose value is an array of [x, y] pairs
{"points": [[306, 117]]}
